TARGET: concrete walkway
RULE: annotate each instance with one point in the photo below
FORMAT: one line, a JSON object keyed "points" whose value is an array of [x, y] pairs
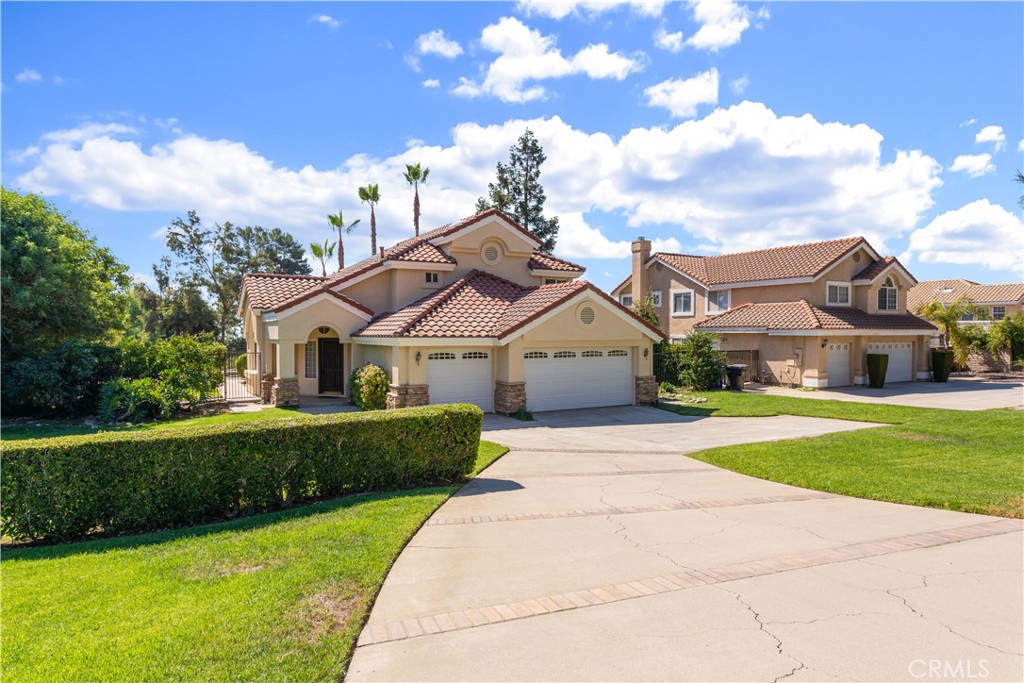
{"points": [[957, 394], [593, 551]]}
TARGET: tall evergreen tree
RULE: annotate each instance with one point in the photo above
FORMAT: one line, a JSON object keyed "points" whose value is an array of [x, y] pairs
{"points": [[517, 191]]}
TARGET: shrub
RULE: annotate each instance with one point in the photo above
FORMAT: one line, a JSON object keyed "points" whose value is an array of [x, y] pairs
{"points": [[190, 368], [135, 400], [118, 482], [66, 380], [369, 386], [1009, 333], [666, 388], [700, 362], [241, 364]]}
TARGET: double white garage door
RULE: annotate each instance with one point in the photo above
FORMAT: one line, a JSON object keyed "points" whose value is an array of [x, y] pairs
{"points": [[901, 362], [556, 379]]}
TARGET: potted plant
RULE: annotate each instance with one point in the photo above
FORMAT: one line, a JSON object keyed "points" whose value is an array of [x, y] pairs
{"points": [[955, 346], [878, 364]]}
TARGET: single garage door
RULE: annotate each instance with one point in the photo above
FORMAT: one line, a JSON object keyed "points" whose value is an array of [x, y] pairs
{"points": [[578, 378], [461, 377], [901, 360], [837, 364]]}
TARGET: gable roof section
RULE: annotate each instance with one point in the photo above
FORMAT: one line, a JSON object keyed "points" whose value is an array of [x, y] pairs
{"points": [[800, 315], [936, 290], [316, 291], [267, 290], [541, 261], [480, 305], [437, 235]]}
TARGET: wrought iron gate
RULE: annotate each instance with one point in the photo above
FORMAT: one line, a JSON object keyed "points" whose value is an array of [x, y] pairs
{"points": [[241, 375]]}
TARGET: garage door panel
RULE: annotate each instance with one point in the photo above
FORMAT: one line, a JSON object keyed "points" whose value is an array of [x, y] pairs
{"points": [[579, 378], [901, 360], [837, 361], [461, 377]]}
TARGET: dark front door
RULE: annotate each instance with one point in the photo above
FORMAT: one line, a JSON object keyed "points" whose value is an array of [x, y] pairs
{"points": [[332, 371]]}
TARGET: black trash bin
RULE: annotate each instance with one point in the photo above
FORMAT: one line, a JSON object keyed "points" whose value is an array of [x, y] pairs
{"points": [[735, 373]]}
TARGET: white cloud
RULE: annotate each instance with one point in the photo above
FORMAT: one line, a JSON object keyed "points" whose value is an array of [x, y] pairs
{"points": [[739, 85], [974, 165], [28, 76], [739, 178], [88, 131], [976, 234], [969, 122], [673, 42], [993, 134], [524, 54], [1020, 145], [436, 43], [20, 156], [722, 23], [560, 9], [682, 97], [325, 20], [432, 83]]}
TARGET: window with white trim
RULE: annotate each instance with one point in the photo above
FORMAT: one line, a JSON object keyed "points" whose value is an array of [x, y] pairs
{"points": [[656, 299], [998, 312], [887, 296], [838, 294], [552, 280], [310, 360], [431, 278], [627, 300], [718, 302], [682, 302]]}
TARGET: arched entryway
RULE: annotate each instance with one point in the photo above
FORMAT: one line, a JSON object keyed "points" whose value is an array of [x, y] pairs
{"points": [[321, 366]]}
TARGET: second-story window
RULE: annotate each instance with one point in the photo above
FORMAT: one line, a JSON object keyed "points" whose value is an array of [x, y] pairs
{"points": [[682, 302], [838, 294], [718, 302], [627, 300], [887, 296], [656, 299], [431, 278]]}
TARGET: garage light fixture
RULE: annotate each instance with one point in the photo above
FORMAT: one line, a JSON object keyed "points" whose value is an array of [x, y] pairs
{"points": [[419, 356], [824, 343]]}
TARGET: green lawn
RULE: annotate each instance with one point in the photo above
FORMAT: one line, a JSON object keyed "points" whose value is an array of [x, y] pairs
{"points": [[961, 460], [274, 597], [18, 430]]}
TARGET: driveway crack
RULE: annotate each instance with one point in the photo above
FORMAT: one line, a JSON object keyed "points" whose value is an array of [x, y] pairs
{"points": [[761, 625]]}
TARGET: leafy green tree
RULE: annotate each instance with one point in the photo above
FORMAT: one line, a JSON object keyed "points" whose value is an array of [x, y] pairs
{"points": [[323, 252], [701, 362], [1009, 333], [646, 309], [57, 283], [414, 175], [370, 194], [948, 317], [172, 311], [268, 250], [518, 193], [338, 221]]}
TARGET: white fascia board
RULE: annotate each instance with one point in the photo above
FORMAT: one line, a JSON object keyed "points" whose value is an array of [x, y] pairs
{"points": [[317, 299], [427, 341], [762, 283], [849, 333], [571, 301], [621, 288], [737, 330], [868, 281], [570, 274], [417, 265], [341, 286], [651, 261]]}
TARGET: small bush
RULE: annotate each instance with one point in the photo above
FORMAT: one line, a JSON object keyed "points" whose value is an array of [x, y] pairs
{"points": [[700, 362], [241, 364], [135, 400], [369, 386], [137, 481], [66, 380], [666, 388]]}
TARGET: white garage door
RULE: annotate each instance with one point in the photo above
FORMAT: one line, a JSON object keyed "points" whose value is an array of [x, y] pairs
{"points": [[838, 365], [461, 377], [901, 360], [578, 378]]}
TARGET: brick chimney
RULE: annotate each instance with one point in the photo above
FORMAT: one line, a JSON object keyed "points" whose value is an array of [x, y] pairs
{"points": [[641, 280]]}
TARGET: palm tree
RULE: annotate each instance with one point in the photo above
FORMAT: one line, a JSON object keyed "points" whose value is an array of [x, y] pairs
{"points": [[371, 195], [322, 252], [414, 175], [948, 317], [338, 221], [1019, 178]]}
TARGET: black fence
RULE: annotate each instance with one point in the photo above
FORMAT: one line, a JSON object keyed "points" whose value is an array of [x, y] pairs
{"points": [[241, 375]]}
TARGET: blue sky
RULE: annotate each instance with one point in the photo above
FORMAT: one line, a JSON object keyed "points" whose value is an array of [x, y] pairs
{"points": [[708, 126]]}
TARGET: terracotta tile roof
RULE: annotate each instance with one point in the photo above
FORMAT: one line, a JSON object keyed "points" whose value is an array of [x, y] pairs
{"points": [[800, 315], [322, 289], [875, 268], [266, 290], [542, 261], [777, 263], [414, 249], [477, 305], [452, 228], [948, 291]]}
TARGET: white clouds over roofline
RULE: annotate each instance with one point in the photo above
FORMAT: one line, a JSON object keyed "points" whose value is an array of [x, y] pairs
{"points": [[977, 234]]}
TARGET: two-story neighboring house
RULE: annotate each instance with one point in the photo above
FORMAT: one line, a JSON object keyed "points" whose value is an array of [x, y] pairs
{"points": [[470, 312], [1000, 300], [808, 314]]}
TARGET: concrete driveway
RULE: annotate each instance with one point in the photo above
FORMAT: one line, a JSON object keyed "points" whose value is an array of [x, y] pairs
{"points": [[594, 551], [962, 393]]}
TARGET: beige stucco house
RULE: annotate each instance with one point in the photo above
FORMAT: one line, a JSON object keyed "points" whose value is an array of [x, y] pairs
{"points": [[469, 312], [1001, 301], [805, 315]]}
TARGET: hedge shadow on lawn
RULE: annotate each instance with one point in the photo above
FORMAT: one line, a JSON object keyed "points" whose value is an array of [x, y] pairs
{"points": [[39, 551]]}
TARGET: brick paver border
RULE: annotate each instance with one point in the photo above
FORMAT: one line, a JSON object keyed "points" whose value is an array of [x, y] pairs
{"points": [[374, 634]]}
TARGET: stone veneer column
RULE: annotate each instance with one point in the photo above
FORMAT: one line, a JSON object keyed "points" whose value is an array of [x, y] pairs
{"points": [[646, 387], [509, 397], [266, 387], [285, 392], [408, 396]]}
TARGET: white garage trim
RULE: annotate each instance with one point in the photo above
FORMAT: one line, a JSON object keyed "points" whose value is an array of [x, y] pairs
{"points": [[901, 360], [560, 379], [461, 376]]}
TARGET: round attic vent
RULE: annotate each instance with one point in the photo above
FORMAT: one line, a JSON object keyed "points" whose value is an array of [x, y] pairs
{"points": [[491, 254], [587, 315]]}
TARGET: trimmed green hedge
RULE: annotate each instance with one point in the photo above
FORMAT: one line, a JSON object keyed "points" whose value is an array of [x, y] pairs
{"points": [[119, 482]]}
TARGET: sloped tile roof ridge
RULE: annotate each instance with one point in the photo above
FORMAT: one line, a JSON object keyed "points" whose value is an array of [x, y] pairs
{"points": [[314, 291], [437, 299], [286, 275], [786, 247], [812, 314], [552, 262]]}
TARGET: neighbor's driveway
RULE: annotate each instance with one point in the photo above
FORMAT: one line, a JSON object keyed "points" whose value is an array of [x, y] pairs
{"points": [[961, 393], [594, 552]]}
